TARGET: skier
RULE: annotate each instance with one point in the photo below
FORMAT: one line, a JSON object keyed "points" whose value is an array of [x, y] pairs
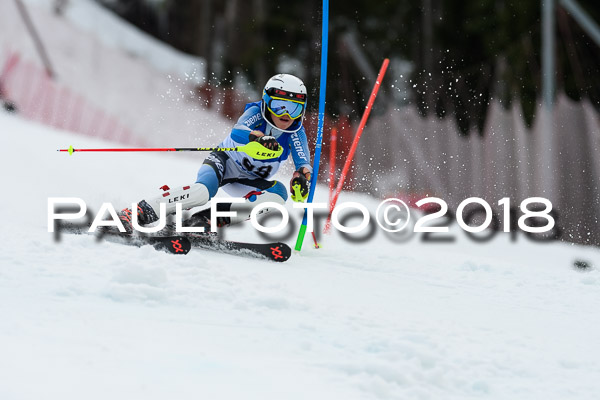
{"points": [[275, 120]]}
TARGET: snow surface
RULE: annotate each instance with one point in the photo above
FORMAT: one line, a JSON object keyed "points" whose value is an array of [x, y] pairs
{"points": [[369, 320]]}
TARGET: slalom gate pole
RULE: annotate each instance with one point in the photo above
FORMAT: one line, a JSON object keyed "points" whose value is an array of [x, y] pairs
{"points": [[359, 131], [322, 91], [332, 150]]}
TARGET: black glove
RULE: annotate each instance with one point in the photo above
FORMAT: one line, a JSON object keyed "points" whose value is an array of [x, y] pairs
{"points": [[300, 185], [268, 142]]}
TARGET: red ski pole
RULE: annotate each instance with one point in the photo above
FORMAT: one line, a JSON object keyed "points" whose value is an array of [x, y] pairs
{"points": [[253, 149]]}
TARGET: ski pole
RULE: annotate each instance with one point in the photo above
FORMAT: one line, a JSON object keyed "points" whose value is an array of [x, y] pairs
{"points": [[253, 149]]}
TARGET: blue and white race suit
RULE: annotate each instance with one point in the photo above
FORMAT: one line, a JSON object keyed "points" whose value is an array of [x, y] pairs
{"points": [[239, 173]]}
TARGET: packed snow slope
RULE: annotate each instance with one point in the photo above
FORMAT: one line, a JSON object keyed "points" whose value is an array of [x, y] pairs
{"points": [[374, 319]]}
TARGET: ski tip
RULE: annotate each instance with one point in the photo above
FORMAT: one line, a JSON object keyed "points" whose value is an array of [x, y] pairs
{"points": [[178, 245], [280, 252]]}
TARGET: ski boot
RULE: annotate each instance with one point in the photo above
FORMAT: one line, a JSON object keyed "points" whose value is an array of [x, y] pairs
{"points": [[145, 216]]}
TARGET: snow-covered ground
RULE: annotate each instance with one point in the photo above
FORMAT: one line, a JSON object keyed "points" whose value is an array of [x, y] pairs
{"points": [[369, 320]]}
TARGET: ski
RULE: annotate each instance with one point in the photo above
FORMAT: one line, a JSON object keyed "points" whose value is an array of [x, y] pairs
{"points": [[170, 244], [174, 244], [183, 243], [277, 251]]}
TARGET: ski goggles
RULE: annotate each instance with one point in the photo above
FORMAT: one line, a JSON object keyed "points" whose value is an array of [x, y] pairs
{"points": [[281, 102]]}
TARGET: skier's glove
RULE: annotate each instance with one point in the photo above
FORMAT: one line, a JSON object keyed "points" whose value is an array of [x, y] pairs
{"points": [[268, 142], [300, 185]]}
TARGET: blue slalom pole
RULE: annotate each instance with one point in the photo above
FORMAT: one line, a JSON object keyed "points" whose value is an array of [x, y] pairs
{"points": [[321, 121]]}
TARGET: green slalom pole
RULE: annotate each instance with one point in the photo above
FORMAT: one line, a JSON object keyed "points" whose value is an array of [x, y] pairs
{"points": [[322, 90]]}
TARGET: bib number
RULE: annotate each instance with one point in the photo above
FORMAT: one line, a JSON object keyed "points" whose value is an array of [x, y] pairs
{"points": [[262, 172]]}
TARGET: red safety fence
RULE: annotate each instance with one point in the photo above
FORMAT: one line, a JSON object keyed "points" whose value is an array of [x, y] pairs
{"points": [[39, 98]]}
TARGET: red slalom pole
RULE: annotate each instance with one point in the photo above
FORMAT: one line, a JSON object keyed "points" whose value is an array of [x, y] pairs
{"points": [[361, 126], [332, 150]]}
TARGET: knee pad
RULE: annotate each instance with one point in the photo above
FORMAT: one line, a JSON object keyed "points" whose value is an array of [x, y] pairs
{"points": [[188, 196]]}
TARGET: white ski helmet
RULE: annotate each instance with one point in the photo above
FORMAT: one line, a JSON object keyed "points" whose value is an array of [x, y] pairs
{"points": [[285, 94]]}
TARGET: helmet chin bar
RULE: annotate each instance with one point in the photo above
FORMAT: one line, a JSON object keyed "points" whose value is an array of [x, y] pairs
{"points": [[270, 122]]}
